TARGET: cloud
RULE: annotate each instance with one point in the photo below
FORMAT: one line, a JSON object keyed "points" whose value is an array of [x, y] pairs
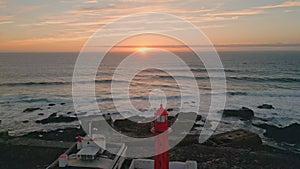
{"points": [[91, 23], [219, 18], [50, 23], [6, 19], [288, 11], [237, 13], [216, 45], [6, 22], [84, 20], [91, 1], [212, 26], [285, 4], [261, 45], [3, 4], [26, 9], [144, 1], [80, 18]]}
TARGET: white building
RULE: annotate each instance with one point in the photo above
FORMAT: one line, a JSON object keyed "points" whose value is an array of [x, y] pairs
{"points": [[90, 155], [149, 164]]}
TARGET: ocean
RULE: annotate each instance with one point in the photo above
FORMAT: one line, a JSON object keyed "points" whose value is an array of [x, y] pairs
{"points": [[44, 81]]}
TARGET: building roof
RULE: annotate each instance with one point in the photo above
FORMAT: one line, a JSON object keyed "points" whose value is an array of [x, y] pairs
{"points": [[93, 150], [63, 156]]}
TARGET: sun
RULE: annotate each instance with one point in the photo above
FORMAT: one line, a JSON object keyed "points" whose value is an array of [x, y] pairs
{"points": [[143, 50]]}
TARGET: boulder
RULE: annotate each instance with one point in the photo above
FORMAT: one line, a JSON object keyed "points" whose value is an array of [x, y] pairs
{"points": [[27, 110], [133, 129], [51, 104], [289, 134], [244, 113], [25, 121], [199, 117], [54, 119], [265, 106], [52, 115], [238, 138]]}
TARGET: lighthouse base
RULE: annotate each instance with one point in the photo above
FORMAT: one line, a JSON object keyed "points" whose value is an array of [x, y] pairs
{"points": [[149, 164]]}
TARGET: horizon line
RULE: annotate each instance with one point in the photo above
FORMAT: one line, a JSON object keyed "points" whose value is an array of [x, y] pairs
{"points": [[227, 47]]}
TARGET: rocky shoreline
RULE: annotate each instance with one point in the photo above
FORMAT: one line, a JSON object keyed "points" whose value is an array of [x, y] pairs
{"points": [[245, 155], [226, 150]]}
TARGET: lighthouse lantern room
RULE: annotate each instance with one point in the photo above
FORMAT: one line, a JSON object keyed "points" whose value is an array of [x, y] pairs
{"points": [[161, 120]]}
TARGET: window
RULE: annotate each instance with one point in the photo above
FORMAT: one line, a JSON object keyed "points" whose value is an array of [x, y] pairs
{"points": [[158, 119], [87, 157], [162, 118]]}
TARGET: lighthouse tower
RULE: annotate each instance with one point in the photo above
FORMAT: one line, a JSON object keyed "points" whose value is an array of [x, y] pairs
{"points": [[160, 127]]}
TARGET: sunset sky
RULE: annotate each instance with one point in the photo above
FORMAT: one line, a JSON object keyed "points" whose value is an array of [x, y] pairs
{"points": [[65, 25]]}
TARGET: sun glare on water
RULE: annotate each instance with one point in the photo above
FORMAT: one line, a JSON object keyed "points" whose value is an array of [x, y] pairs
{"points": [[143, 50]]}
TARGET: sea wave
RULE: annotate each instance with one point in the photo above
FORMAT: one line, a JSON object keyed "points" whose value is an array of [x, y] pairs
{"points": [[103, 81], [242, 78], [133, 98], [255, 94], [34, 83], [265, 79], [215, 70], [34, 100], [55, 83], [237, 93]]}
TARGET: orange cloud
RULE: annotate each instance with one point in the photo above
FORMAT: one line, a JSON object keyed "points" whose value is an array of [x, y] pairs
{"points": [[237, 13], [282, 5]]}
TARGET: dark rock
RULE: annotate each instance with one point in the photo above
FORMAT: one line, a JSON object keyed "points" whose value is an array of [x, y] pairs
{"points": [[199, 117], [265, 106], [132, 128], [41, 114], [244, 112], [53, 115], [289, 134], [143, 110], [62, 103], [51, 104], [27, 110], [69, 112], [81, 113], [237, 138], [170, 109], [139, 126], [25, 121], [53, 119], [68, 134]]}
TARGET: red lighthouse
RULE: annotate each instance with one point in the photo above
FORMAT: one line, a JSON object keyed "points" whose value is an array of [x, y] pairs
{"points": [[161, 158]]}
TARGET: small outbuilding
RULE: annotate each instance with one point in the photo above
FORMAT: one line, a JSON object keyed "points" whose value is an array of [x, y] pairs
{"points": [[88, 153]]}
